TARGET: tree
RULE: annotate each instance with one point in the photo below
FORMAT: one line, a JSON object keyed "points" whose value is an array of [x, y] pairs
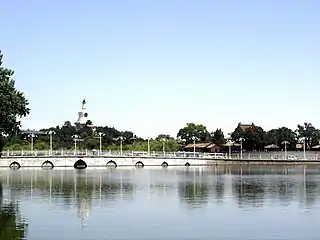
{"points": [[163, 136], [193, 130], [310, 133], [218, 137], [279, 135], [253, 137], [91, 143], [13, 103]]}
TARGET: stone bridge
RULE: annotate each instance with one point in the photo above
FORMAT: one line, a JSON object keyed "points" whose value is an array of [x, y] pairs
{"points": [[84, 162]]}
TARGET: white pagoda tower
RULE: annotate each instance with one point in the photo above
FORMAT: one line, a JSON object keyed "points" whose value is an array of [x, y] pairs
{"points": [[82, 115]]}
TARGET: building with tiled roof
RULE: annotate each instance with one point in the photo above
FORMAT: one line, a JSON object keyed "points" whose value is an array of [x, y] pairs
{"points": [[202, 147]]}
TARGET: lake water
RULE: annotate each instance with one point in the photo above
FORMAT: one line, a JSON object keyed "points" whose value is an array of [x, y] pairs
{"points": [[225, 203]]}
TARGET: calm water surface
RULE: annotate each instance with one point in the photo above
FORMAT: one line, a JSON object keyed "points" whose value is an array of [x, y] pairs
{"points": [[153, 203]]}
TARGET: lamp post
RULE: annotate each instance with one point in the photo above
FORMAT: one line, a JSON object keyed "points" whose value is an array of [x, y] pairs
{"points": [[163, 146], [241, 140], [121, 139], [304, 148], [285, 149], [230, 143], [76, 138], [148, 146], [50, 136], [100, 134], [194, 146], [31, 136]]}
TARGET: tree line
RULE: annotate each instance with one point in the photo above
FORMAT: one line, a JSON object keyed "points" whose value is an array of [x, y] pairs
{"points": [[14, 105], [253, 138]]}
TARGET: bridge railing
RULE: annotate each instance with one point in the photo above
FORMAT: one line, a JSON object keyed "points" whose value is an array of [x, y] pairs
{"points": [[297, 155], [66, 153]]}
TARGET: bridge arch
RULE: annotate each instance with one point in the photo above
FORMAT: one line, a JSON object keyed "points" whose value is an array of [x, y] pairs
{"points": [[47, 165], [80, 164], [139, 164], [112, 163], [15, 165], [164, 164]]}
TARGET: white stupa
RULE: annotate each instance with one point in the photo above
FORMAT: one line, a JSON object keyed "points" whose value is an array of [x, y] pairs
{"points": [[82, 115]]}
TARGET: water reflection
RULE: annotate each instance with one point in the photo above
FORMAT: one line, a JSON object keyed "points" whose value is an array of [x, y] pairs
{"points": [[224, 190], [282, 185], [12, 226], [192, 190], [247, 187]]}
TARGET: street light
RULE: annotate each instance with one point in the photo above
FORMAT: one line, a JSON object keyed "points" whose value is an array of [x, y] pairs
{"points": [[241, 140], [194, 138], [32, 136], [148, 146], [285, 149], [304, 147], [76, 138], [230, 143], [121, 139], [100, 134], [50, 135], [163, 146]]}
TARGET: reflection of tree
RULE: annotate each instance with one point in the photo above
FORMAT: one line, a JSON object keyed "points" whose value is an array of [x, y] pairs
{"points": [[193, 193], [281, 189], [11, 224], [70, 186], [219, 189], [249, 191], [111, 190]]}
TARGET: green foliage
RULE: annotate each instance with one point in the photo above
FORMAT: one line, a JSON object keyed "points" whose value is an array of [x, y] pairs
{"points": [[218, 137], [13, 103], [310, 133], [255, 138], [62, 139], [198, 131], [278, 136], [163, 136]]}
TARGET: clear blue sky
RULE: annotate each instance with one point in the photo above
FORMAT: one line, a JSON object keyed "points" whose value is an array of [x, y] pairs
{"points": [[152, 66]]}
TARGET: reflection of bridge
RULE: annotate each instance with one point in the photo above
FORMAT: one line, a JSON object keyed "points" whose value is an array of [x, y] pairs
{"points": [[196, 186], [64, 184]]}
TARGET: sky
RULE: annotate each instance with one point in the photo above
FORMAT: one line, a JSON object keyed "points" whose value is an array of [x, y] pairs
{"points": [[152, 66]]}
